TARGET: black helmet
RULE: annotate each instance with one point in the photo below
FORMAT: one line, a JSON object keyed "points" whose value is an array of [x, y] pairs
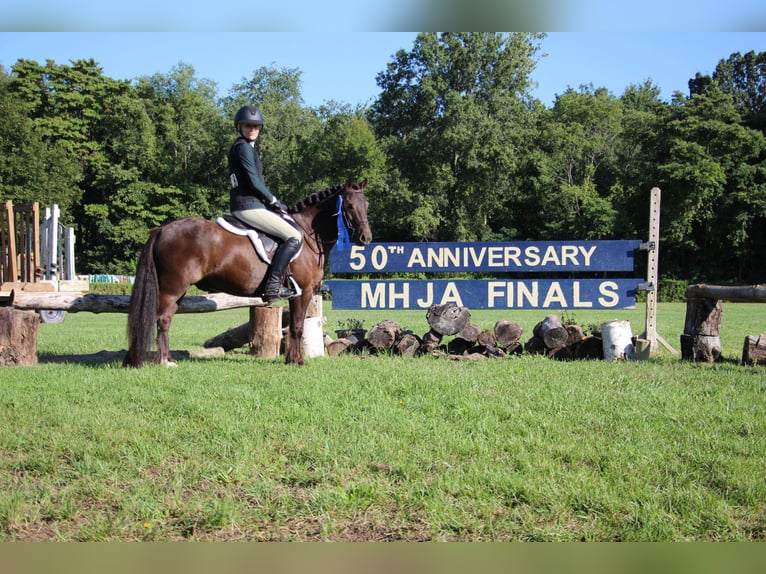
{"points": [[248, 114]]}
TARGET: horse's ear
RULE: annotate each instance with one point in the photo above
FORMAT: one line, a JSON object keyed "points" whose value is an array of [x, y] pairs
{"points": [[363, 183]]}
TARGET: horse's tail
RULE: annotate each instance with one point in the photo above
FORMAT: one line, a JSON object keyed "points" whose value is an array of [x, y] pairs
{"points": [[142, 314]]}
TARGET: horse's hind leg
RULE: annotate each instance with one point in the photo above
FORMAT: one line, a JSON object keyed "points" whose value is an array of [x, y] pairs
{"points": [[164, 318]]}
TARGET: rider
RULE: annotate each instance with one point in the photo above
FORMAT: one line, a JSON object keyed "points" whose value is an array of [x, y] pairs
{"points": [[252, 202]]}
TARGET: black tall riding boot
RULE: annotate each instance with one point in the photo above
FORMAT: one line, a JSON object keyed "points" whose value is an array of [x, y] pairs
{"points": [[272, 283]]}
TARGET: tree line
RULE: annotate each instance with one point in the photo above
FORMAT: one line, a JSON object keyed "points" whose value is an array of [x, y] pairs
{"points": [[454, 147]]}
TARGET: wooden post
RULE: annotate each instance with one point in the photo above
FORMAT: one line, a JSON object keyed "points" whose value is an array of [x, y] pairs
{"points": [[18, 337], [13, 270], [265, 331], [701, 340], [652, 276]]}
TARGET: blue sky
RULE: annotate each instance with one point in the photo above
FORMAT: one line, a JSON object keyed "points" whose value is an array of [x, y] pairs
{"points": [[343, 67]]}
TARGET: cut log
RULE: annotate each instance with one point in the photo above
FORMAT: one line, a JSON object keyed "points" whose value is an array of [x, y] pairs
{"points": [[535, 346], [754, 350], [233, 338], [487, 338], [18, 337], [746, 294], [338, 346], [552, 332], [266, 331], [589, 348], [431, 341], [561, 354], [575, 334], [458, 345], [92, 303], [507, 333], [408, 345], [447, 319], [470, 332], [383, 335]]}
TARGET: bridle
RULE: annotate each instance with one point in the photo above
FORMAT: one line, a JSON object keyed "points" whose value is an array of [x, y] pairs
{"points": [[314, 235]]}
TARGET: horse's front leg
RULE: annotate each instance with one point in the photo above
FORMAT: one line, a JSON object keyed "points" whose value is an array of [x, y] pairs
{"points": [[298, 307]]}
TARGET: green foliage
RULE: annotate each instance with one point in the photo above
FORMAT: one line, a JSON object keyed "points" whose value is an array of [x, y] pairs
{"points": [[453, 148]]}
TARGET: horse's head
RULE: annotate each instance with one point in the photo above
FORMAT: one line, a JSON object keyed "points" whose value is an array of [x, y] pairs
{"points": [[354, 211]]}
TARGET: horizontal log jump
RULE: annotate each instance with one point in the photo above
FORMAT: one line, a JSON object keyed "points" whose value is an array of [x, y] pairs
{"points": [[701, 340], [93, 303]]}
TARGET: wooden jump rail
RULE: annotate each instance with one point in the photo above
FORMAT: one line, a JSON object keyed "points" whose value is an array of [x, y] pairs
{"points": [[92, 303], [701, 341]]}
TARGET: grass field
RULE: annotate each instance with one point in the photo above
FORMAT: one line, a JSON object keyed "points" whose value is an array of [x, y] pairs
{"points": [[362, 447]]}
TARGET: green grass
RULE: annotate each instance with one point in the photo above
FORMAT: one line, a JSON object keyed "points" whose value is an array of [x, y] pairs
{"points": [[359, 447]]}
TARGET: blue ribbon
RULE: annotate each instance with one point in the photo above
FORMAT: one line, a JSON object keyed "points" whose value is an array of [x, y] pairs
{"points": [[344, 242]]}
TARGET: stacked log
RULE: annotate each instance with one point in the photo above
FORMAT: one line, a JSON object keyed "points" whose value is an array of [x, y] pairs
{"points": [[563, 342], [474, 342]]}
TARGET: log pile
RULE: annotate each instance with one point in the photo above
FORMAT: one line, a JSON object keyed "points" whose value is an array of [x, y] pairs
{"points": [[471, 341]]}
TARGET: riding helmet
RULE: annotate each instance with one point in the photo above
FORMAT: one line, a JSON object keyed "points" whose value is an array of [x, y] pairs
{"points": [[248, 114]]}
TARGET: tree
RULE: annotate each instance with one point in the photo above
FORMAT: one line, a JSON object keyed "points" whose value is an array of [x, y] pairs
{"points": [[452, 119]]}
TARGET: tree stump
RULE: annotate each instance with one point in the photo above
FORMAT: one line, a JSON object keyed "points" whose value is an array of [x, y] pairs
{"points": [[754, 350], [265, 331], [18, 337], [701, 340]]}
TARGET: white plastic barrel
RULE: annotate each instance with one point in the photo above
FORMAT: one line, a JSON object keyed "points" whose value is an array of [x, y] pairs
{"points": [[616, 338], [313, 337]]}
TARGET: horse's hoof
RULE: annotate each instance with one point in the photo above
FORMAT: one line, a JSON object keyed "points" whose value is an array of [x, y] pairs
{"points": [[171, 364]]}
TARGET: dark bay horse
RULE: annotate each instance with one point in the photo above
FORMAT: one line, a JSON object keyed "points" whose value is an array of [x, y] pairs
{"points": [[196, 251]]}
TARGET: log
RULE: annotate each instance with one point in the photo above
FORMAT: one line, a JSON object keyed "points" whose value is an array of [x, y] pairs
{"points": [[535, 346], [487, 338], [18, 337], [575, 334], [232, 338], [737, 294], [431, 341], [754, 350], [700, 341], [383, 335], [470, 332], [552, 332], [589, 348], [507, 333], [92, 303], [447, 319], [408, 345], [265, 332], [458, 345], [338, 346]]}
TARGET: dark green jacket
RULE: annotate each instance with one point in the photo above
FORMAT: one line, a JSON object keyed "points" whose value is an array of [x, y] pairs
{"points": [[248, 190]]}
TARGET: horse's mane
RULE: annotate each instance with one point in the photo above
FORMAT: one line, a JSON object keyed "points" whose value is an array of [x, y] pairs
{"points": [[316, 198]]}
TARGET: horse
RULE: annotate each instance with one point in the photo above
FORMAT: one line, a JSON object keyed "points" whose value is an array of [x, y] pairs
{"points": [[198, 251]]}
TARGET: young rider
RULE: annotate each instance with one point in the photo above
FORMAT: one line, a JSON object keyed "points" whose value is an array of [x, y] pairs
{"points": [[252, 202]]}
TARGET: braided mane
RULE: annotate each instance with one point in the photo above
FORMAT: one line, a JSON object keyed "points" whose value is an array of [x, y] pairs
{"points": [[316, 198]]}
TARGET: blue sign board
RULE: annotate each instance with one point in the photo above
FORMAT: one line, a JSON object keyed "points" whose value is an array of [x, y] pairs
{"points": [[486, 294], [482, 257]]}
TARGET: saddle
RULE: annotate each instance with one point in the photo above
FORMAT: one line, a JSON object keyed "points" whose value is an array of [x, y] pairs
{"points": [[264, 244]]}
